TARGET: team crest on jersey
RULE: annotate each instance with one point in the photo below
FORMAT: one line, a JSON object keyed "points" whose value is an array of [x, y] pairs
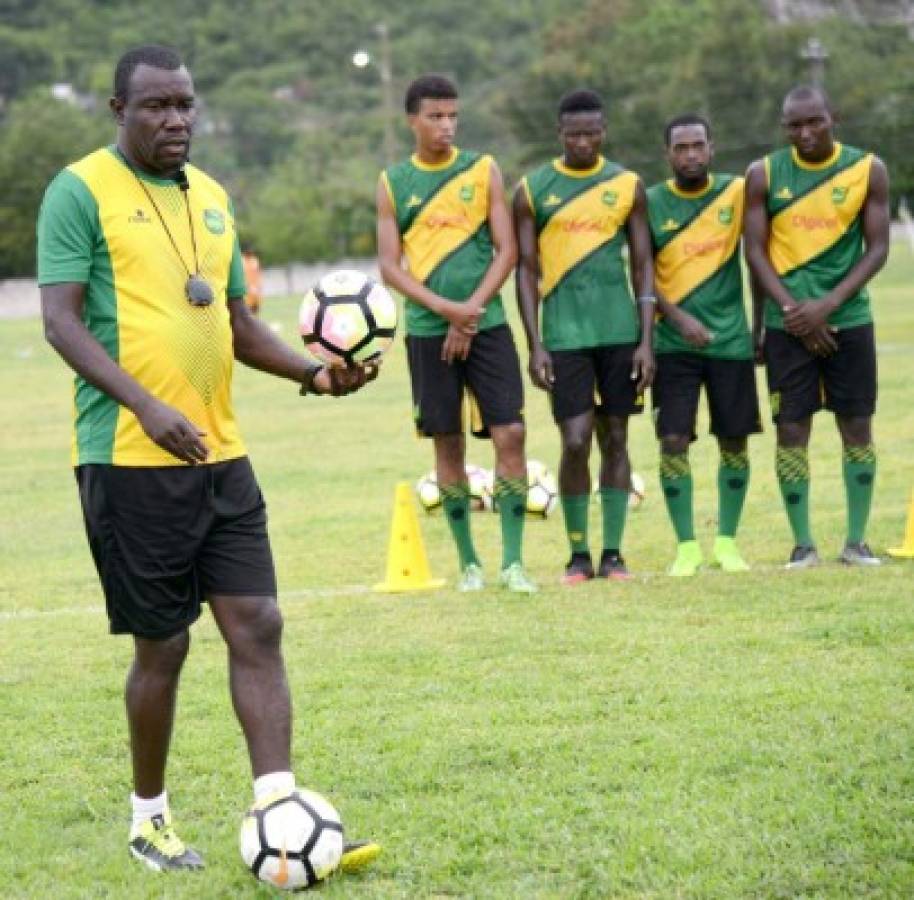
{"points": [[139, 218], [610, 198], [552, 200], [670, 225], [214, 221], [838, 195], [725, 215], [466, 192], [784, 194], [413, 202]]}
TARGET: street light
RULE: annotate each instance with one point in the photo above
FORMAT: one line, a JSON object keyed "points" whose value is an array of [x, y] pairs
{"points": [[815, 54], [362, 59]]}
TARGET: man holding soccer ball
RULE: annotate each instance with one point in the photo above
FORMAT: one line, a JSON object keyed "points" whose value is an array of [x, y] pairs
{"points": [[444, 211], [143, 296]]}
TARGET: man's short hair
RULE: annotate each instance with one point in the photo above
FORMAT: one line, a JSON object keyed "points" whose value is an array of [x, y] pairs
{"points": [[686, 119], [429, 87], [581, 100], [808, 92], [154, 55]]}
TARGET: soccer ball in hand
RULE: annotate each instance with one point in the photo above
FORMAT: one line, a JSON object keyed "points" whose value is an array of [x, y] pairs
{"points": [[347, 318], [292, 841], [542, 492]]}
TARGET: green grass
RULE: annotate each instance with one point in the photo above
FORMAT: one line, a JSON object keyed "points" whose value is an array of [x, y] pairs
{"points": [[733, 736]]}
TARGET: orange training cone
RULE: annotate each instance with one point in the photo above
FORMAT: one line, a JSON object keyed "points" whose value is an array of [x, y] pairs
{"points": [[906, 550], [407, 565]]}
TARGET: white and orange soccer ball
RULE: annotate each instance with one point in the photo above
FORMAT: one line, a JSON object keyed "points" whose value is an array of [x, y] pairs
{"points": [[347, 318], [542, 491], [292, 841]]}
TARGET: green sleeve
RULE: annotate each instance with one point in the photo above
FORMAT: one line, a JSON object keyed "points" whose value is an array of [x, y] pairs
{"points": [[236, 288], [68, 230]]}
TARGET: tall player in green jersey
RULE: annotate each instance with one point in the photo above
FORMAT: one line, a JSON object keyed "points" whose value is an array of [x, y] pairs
{"points": [[817, 230], [443, 211], [573, 218], [703, 338]]}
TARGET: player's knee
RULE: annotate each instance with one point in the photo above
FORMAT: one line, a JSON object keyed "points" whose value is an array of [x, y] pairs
{"points": [[576, 448], [264, 626], [674, 444], [161, 657]]}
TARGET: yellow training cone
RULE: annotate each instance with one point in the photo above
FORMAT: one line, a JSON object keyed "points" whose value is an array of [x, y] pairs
{"points": [[906, 550], [407, 565]]}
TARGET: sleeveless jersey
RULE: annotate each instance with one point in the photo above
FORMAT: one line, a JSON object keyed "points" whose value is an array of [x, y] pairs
{"points": [[696, 240], [816, 237], [442, 214], [580, 221], [97, 227]]}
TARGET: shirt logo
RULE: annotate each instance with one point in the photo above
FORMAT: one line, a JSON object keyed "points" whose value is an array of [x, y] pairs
{"points": [[670, 225], [784, 194], [839, 195], [467, 192], [725, 215], [610, 198], [552, 200], [139, 218], [214, 221], [413, 202]]}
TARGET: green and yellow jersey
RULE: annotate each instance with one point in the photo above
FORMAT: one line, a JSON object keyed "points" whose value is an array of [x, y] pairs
{"points": [[442, 215], [696, 238], [816, 229], [97, 227], [580, 218]]}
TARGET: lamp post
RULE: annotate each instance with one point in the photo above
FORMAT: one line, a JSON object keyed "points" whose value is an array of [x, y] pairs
{"points": [[815, 54], [361, 59]]}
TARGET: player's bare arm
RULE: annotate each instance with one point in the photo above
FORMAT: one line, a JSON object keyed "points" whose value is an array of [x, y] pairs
{"points": [[812, 315], [61, 308], [390, 255], [693, 332], [758, 317], [641, 263], [528, 295], [756, 231], [255, 345]]}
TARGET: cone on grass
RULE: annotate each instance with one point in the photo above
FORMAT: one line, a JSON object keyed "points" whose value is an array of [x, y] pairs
{"points": [[906, 550], [407, 564]]}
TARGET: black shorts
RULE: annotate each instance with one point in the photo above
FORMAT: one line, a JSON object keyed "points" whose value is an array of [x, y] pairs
{"points": [[800, 383], [597, 378], [166, 538], [730, 388], [490, 374]]}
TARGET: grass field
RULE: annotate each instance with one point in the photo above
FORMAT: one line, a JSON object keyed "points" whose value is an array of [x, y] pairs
{"points": [[732, 736]]}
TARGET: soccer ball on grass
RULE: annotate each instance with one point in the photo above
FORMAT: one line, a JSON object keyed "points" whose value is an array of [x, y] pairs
{"points": [[292, 841], [542, 492], [347, 318]]}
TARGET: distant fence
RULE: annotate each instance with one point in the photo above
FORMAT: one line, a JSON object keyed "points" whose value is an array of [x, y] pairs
{"points": [[19, 296]]}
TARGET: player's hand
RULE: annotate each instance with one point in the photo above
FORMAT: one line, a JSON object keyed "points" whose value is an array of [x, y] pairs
{"points": [[456, 345], [807, 316], [172, 431], [462, 316], [540, 368], [693, 332], [340, 380], [643, 367], [822, 341]]}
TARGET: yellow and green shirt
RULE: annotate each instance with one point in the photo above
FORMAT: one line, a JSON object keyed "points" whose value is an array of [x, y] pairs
{"points": [[816, 229], [442, 215], [97, 227], [696, 239], [580, 218]]}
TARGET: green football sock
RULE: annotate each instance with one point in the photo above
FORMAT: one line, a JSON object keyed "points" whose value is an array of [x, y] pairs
{"points": [[732, 485], [792, 466], [511, 497], [455, 498], [859, 476], [574, 509], [676, 482], [614, 505]]}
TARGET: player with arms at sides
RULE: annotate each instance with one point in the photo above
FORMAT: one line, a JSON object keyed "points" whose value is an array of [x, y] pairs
{"points": [[573, 217], [443, 211], [816, 232], [142, 295], [702, 337]]}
